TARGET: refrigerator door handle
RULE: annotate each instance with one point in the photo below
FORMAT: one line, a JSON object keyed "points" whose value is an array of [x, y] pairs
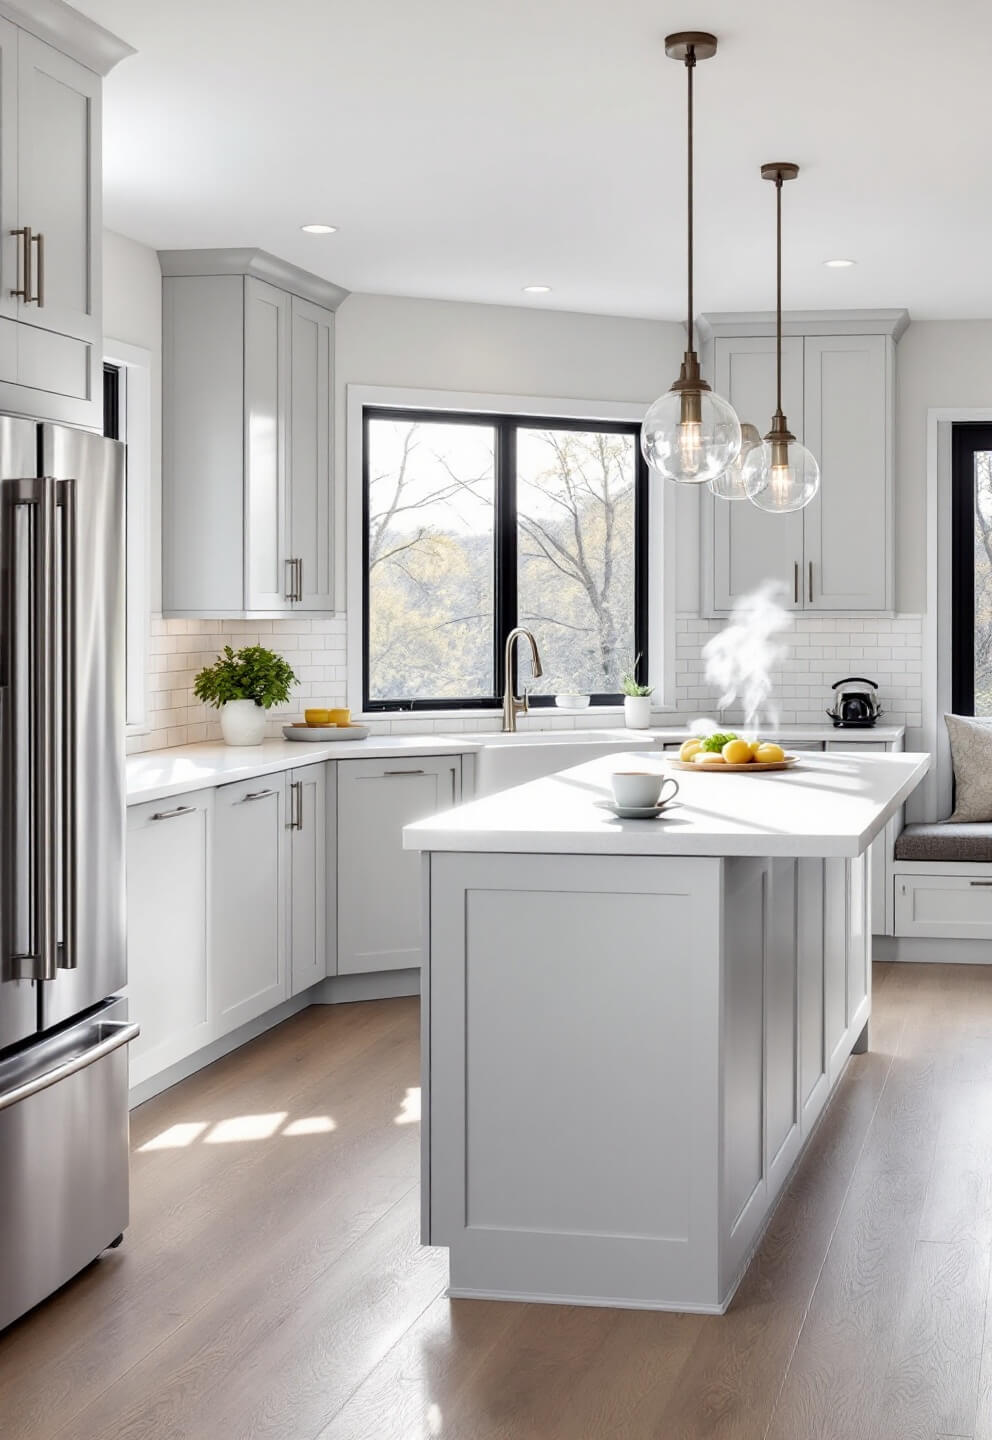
{"points": [[31, 615], [106, 1035], [67, 957]]}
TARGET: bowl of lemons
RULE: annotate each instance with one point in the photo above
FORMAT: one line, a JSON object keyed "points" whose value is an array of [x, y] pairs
{"points": [[724, 750]]}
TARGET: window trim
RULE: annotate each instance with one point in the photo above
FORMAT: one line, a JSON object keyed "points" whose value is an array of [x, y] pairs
{"points": [[505, 535], [966, 439], [135, 365], [657, 537]]}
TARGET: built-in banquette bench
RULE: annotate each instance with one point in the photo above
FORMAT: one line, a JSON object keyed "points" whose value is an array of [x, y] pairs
{"points": [[942, 873]]}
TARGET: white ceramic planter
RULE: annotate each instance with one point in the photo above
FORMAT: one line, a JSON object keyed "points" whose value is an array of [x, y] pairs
{"points": [[637, 711], [242, 722]]}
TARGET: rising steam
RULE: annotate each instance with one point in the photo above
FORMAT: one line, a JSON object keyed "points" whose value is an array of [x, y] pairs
{"points": [[739, 660]]}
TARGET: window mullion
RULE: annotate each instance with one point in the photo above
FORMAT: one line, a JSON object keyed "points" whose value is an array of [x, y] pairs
{"points": [[506, 544]]}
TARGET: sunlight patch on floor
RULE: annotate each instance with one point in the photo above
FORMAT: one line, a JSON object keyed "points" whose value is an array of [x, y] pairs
{"points": [[310, 1125], [177, 1137], [409, 1108], [245, 1127], [241, 1128]]}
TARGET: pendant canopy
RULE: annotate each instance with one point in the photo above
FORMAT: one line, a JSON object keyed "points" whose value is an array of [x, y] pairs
{"points": [[780, 475], [690, 434]]}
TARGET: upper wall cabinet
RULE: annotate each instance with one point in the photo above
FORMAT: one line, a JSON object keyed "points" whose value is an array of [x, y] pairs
{"points": [[51, 322], [247, 405], [838, 394]]}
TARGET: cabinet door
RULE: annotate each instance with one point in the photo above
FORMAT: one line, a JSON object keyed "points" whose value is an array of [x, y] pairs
{"points": [[310, 455], [268, 314], [308, 876], [10, 245], [747, 545], [379, 900], [58, 182], [248, 918], [848, 405], [168, 852]]}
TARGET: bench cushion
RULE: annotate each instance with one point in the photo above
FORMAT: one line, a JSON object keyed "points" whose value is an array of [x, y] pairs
{"points": [[946, 840]]}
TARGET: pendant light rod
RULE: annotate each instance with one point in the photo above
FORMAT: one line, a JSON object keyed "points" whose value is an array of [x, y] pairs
{"points": [[689, 46], [690, 65], [779, 172]]}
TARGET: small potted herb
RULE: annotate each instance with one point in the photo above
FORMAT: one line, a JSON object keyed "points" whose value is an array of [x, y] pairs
{"points": [[242, 685], [636, 699]]}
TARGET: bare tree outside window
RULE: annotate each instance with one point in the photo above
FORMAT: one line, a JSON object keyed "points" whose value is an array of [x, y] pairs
{"points": [[575, 565], [431, 585], [453, 509]]}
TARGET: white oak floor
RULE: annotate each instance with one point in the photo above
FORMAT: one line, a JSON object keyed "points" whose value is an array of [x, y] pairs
{"points": [[271, 1284]]}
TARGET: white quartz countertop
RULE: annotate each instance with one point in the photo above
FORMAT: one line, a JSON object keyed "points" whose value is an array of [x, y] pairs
{"points": [[827, 805], [183, 768], [161, 773]]}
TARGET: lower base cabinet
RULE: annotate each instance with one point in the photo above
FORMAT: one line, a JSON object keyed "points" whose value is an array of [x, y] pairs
{"points": [[309, 877], [247, 901], [168, 868], [379, 895]]}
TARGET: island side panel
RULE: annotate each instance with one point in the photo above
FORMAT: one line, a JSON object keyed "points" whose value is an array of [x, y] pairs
{"points": [[574, 1066]]}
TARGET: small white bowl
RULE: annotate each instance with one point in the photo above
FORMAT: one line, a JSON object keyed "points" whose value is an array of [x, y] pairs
{"points": [[572, 702]]}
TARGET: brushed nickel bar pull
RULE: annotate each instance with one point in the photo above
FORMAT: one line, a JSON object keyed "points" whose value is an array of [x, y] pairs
{"points": [[68, 953], [980, 884], [39, 293], [795, 583], [404, 772], [296, 815], [299, 579], [255, 795], [23, 292], [290, 587], [171, 814], [811, 582], [111, 1035]]}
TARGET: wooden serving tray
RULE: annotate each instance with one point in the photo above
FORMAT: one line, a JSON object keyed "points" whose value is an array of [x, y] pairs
{"points": [[749, 768]]}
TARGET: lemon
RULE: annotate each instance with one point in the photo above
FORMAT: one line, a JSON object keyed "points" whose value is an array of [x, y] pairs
{"points": [[754, 745], [737, 752], [707, 757], [768, 752], [689, 748]]}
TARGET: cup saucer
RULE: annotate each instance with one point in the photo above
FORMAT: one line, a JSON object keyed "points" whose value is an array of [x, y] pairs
{"points": [[634, 812]]}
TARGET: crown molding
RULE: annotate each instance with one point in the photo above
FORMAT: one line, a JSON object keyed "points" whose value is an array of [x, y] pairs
{"points": [[58, 24], [803, 322], [258, 263]]}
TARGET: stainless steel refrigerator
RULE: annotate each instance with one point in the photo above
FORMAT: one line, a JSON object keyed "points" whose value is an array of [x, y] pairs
{"points": [[63, 1030]]}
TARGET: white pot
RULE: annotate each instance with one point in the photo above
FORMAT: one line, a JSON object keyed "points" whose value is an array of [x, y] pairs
{"points": [[637, 711], [242, 722]]}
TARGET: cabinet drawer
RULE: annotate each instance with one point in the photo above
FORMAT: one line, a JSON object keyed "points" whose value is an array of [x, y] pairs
{"points": [[944, 906], [856, 747]]}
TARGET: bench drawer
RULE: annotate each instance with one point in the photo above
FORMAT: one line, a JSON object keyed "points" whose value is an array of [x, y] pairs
{"points": [[944, 906]]}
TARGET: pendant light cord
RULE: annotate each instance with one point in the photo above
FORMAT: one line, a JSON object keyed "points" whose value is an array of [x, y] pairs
{"points": [[778, 291], [690, 65]]}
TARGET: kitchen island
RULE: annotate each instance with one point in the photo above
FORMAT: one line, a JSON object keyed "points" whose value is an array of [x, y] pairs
{"points": [[630, 1028]]}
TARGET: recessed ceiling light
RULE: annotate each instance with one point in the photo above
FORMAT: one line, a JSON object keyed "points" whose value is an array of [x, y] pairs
{"points": [[537, 289], [839, 264], [320, 229]]}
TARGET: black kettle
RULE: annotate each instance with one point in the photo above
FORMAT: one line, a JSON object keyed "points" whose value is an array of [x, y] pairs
{"points": [[855, 702]]}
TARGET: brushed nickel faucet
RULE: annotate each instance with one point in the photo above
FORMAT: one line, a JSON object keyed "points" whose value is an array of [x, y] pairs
{"points": [[512, 704]]}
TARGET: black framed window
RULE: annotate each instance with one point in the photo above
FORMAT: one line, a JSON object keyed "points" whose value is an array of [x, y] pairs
{"points": [[971, 570], [475, 523]]}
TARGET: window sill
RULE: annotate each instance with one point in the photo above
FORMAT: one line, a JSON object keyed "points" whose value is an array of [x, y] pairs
{"points": [[413, 717]]}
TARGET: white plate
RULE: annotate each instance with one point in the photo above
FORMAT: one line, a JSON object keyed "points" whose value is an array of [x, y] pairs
{"points": [[634, 812], [323, 733]]}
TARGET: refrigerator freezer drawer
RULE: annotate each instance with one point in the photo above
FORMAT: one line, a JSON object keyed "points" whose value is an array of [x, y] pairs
{"points": [[63, 1158]]}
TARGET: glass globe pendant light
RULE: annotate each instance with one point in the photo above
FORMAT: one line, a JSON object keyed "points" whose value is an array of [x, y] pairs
{"points": [[690, 434], [730, 485], [780, 475]]}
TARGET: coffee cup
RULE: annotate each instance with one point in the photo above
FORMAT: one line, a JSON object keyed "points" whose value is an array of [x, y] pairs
{"points": [[640, 789]]}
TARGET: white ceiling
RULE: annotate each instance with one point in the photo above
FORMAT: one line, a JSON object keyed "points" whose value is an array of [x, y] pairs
{"points": [[467, 148]]}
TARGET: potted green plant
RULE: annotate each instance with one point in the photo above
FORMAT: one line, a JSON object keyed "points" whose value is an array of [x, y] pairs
{"points": [[636, 698], [242, 685]]}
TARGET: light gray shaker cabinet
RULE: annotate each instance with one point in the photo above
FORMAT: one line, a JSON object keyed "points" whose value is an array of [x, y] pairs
{"points": [[247, 452]]}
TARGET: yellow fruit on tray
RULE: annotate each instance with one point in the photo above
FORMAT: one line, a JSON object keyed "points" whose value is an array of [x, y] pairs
{"points": [[689, 748], [755, 745], [767, 753], [708, 757], [737, 752]]}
